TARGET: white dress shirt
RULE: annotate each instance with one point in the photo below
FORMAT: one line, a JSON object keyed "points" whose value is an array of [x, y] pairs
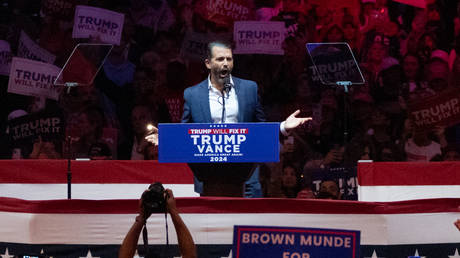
{"points": [[215, 104], [231, 106]]}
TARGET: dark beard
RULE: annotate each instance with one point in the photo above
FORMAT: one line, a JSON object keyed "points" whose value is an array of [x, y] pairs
{"points": [[220, 80]]}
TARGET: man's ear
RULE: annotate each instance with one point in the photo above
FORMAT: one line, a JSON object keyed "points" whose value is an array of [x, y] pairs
{"points": [[207, 62]]}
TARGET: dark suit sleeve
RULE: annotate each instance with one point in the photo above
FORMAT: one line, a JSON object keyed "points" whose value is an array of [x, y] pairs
{"points": [[186, 115], [259, 111]]}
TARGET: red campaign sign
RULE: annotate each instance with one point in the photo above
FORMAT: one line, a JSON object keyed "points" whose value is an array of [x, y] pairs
{"points": [[225, 12], [442, 109]]}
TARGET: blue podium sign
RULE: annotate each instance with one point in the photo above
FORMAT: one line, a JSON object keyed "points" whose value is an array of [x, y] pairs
{"points": [[287, 242], [218, 143]]}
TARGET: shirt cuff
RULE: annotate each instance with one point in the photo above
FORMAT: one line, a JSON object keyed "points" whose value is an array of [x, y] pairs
{"points": [[283, 129]]}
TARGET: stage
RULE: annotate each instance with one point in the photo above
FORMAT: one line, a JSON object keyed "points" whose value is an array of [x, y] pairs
{"points": [[42, 221]]}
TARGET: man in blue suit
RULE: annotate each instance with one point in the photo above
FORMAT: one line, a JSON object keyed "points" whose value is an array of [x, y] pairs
{"points": [[204, 103]]}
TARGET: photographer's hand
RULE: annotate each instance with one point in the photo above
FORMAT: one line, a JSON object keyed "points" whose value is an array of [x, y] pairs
{"points": [[129, 245], [184, 238], [141, 217], [170, 201]]}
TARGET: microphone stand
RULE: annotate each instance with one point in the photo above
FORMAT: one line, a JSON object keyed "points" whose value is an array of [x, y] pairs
{"points": [[346, 111], [223, 107], [226, 89], [69, 170], [69, 85]]}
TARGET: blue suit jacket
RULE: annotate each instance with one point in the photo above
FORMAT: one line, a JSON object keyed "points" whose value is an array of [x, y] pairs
{"points": [[197, 109]]}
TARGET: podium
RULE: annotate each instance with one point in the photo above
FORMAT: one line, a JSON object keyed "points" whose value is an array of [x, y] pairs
{"points": [[222, 156]]}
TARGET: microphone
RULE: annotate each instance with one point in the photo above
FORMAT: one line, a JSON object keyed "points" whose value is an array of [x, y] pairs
{"points": [[227, 87], [227, 84]]}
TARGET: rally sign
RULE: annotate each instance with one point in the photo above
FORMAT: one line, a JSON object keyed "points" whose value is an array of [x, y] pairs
{"points": [[33, 78], [195, 44], [225, 12], [442, 109], [346, 178], [27, 48], [218, 143], [253, 37], [62, 9], [334, 62], [46, 124], [287, 242], [92, 21], [5, 57]]}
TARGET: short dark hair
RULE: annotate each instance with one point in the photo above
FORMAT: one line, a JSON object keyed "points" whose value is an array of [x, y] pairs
{"points": [[216, 43]]}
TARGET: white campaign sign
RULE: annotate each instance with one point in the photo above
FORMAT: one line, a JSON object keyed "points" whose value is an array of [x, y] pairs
{"points": [[5, 57], [33, 78], [27, 48], [254, 37], [92, 21]]}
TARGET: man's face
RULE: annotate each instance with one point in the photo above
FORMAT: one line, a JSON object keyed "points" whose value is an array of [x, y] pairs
{"points": [[376, 52], [220, 64], [438, 71], [330, 187]]}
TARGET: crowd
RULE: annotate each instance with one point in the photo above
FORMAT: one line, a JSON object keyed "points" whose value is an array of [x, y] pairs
{"points": [[405, 53]]}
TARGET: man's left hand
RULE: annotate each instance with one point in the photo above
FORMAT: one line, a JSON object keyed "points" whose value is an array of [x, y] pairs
{"points": [[292, 121]]}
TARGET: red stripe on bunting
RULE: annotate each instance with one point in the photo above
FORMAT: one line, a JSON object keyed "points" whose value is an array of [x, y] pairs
{"points": [[408, 173], [94, 171], [234, 205]]}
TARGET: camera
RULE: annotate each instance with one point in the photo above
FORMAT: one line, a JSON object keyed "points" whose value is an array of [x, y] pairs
{"points": [[154, 199]]}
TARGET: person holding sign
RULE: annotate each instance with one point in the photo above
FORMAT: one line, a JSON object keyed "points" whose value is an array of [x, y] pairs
{"points": [[204, 103]]}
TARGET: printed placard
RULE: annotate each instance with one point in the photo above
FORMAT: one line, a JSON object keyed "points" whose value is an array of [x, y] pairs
{"points": [[33, 78], [333, 63], [5, 57], [336, 8], [346, 178], [27, 48], [194, 44], [287, 242], [49, 125], [225, 12], [62, 9], [442, 109], [218, 143], [92, 21], [253, 37]]}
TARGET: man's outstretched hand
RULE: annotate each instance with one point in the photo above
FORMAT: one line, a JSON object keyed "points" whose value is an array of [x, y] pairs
{"points": [[292, 121], [152, 136]]}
